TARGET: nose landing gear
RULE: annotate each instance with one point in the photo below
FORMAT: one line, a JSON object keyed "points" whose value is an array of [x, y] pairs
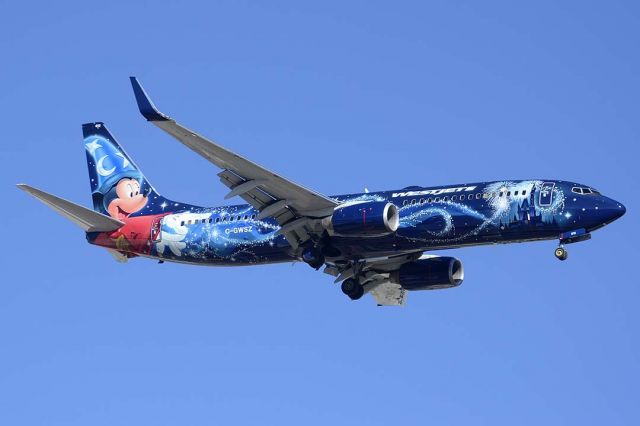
{"points": [[561, 253]]}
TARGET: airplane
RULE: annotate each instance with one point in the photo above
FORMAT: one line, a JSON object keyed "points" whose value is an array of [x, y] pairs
{"points": [[372, 242]]}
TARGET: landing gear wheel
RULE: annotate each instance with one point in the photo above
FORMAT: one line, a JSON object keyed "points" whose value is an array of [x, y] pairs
{"points": [[352, 288], [313, 257], [561, 253]]}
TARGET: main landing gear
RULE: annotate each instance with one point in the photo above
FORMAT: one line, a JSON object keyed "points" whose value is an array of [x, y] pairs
{"points": [[561, 253], [313, 257], [352, 288]]}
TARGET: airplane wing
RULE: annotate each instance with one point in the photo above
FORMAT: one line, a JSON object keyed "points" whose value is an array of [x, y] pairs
{"points": [[297, 209]]}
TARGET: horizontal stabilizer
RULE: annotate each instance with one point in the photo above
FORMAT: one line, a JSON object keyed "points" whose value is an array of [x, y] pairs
{"points": [[87, 219]]}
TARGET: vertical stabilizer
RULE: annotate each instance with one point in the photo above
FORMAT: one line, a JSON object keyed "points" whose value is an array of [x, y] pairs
{"points": [[118, 187]]}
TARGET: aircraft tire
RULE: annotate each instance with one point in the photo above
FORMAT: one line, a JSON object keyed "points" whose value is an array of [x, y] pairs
{"points": [[561, 253], [352, 288]]}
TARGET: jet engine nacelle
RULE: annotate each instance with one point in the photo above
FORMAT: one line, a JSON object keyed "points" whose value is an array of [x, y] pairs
{"points": [[365, 219], [429, 273]]}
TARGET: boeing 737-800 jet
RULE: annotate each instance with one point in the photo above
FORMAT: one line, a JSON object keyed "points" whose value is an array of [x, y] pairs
{"points": [[373, 242]]}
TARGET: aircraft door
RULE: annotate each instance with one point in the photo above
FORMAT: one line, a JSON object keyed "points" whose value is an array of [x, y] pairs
{"points": [[546, 194], [156, 227]]}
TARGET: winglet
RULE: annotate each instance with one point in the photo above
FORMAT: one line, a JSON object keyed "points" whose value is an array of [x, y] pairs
{"points": [[146, 107]]}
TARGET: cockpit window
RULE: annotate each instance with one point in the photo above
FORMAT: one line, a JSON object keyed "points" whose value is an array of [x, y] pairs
{"points": [[584, 190]]}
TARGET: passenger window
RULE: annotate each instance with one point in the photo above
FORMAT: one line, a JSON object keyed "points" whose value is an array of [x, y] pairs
{"points": [[189, 222], [246, 217], [421, 200], [405, 202], [444, 198], [501, 194], [253, 216], [478, 196], [182, 223], [238, 217], [508, 193], [515, 193], [454, 197], [413, 202], [437, 199], [217, 219], [429, 200], [462, 198], [524, 192]]}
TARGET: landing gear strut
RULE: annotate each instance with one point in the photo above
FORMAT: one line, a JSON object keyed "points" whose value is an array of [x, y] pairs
{"points": [[561, 253], [352, 288]]}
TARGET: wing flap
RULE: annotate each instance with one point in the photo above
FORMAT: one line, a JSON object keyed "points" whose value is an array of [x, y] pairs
{"points": [[389, 294], [87, 219]]}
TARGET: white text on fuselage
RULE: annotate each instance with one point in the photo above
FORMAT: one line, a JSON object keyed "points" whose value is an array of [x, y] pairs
{"points": [[238, 230], [433, 191]]}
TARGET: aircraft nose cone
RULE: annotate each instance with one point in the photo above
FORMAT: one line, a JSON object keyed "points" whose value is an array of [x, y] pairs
{"points": [[615, 210], [621, 210]]}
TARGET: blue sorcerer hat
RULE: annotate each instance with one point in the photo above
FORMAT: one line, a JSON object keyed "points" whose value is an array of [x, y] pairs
{"points": [[107, 163]]}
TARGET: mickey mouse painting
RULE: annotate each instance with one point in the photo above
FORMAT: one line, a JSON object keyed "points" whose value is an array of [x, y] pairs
{"points": [[124, 198], [116, 183]]}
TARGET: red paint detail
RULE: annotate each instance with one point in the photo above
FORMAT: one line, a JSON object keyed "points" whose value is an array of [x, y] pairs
{"points": [[133, 237]]}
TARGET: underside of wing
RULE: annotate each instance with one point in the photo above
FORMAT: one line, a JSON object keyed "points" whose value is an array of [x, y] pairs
{"points": [[375, 276]]}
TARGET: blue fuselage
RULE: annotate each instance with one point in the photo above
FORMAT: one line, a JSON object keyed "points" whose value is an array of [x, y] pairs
{"points": [[430, 218]]}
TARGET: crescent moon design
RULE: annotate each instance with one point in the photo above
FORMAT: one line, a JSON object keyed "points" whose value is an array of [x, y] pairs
{"points": [[100, 169], [125, 162]]}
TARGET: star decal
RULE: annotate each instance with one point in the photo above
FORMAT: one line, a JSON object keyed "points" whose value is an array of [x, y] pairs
{"points": [[93, 146]]}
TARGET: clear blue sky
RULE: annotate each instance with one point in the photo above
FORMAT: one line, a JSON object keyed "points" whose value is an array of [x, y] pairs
{"points": [[336, 96]]}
